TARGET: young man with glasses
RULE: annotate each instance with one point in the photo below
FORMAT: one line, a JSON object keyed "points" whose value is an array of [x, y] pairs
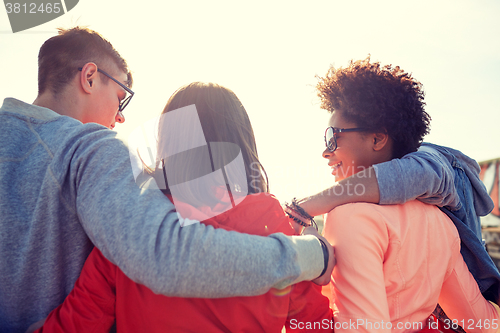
{"points": [[67, 186], [101, 90]]}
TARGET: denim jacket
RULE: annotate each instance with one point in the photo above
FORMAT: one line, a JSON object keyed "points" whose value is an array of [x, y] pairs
{"points": [[449, 179]]}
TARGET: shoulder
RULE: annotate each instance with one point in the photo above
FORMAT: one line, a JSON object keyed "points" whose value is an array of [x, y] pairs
{"points": [[357, 221], [77, 139], [360, 211], [366, 214], [259, 214]]}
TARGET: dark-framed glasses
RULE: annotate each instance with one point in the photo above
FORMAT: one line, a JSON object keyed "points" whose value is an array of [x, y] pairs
{"points": [[331, 135], [124, 102]]}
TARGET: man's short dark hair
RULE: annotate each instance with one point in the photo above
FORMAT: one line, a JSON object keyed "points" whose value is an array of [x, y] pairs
{"points": [[61, 56], [382, 98]]}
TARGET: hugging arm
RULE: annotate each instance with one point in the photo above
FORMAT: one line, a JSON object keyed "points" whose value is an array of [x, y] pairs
{"points": [[139, 231], [425, 175]]}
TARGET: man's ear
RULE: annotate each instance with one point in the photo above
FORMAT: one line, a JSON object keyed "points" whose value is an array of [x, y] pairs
{"points": [[380, 140], [87, 77]]}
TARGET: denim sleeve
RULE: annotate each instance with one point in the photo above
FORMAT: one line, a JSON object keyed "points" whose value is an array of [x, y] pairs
{"points": [[425, 175], [138, 230]]}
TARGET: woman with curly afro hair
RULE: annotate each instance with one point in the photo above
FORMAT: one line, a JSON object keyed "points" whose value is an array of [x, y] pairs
{"points": [[394, 262], [378, 99]]}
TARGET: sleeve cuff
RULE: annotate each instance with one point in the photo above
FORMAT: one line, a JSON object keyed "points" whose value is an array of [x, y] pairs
{"points": [[309, 257]]}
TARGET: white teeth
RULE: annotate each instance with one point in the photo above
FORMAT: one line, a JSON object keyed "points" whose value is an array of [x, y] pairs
{"points": [[335, 167]]}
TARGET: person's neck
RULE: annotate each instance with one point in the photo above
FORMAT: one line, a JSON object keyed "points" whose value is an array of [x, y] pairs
{"points": [[59, 104], [384, 154]]}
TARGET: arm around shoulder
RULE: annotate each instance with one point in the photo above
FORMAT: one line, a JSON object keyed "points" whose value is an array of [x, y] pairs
{"points": [[361, 187], [139, 231], [425, 174]]}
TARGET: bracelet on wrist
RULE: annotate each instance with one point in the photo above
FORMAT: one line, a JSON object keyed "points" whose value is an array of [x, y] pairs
{"points": [[298, 217], [300, 209]]}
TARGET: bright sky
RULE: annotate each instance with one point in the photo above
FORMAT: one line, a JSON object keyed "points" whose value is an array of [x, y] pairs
{"points": [[268, 53]]}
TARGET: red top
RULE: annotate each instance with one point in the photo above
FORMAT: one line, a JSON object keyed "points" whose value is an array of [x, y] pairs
{"points": [[103, 293]]}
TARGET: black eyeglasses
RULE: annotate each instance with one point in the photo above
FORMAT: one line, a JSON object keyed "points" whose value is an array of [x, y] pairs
{"points": [[331, 138], [124, 102]]}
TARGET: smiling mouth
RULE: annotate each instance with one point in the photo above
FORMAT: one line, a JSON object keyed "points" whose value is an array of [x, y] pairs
{"points": [[335, 167]]}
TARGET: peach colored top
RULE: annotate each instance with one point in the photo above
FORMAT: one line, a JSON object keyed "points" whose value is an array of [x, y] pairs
{"points": [[394, 264]]}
